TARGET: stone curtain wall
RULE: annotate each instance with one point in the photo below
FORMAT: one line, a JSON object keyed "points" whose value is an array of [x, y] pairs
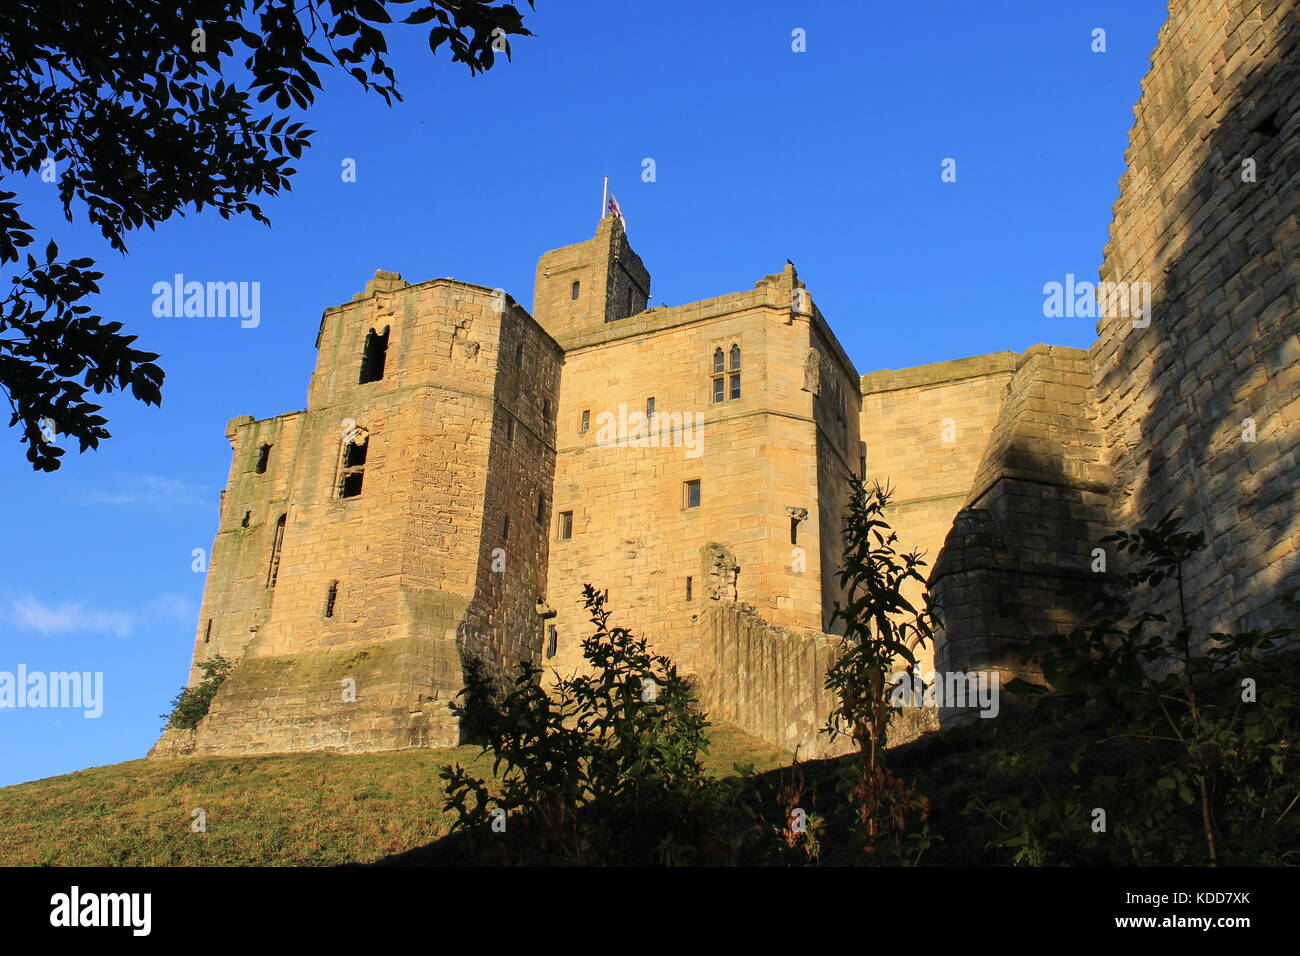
{"points": [[1223, 257], [768, 681]]}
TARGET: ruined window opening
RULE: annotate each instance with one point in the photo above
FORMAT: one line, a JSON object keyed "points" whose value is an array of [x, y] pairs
{"points": [[247, 515], [552, 640], [510, 428], [519, 356], [330, 596], [586, 421], [263, 458], [207, 634], [573, 290], [546, 410], [690, 589], [541, 508], [735, 386], [374, 356], [352, 473], [691, 494], [566, 525], [274, 570], [505, 529]]}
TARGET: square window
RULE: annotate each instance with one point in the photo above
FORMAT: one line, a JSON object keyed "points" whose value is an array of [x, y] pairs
{"points": [[586, 420], [691, 494], [718, 390], [650, 407], [735, 386], [566, 525]]}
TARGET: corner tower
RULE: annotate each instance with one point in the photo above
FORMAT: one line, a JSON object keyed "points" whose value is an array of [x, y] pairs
{"points": [[583, 286]]}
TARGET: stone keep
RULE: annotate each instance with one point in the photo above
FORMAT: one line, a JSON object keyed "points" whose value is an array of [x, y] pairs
{"points": [[464, 467]]}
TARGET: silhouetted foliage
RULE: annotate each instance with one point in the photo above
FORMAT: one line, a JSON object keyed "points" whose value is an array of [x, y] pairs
{"points": [[1195, 761], [605, 769], [145, 109], [882, 630]]}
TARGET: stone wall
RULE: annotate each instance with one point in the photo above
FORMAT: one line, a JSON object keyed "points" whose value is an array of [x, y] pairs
{"points": [[1200, 409]]}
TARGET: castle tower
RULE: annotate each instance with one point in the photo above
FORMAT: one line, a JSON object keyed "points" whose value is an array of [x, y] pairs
{"points": [[582, 286], [371, 543]]}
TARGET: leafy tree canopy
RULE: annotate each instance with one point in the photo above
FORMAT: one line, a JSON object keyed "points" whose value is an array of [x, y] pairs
{"points": [[143, 109]]}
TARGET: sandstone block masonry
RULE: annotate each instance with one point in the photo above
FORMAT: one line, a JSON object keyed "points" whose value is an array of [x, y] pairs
{"points": [[463, 467]]}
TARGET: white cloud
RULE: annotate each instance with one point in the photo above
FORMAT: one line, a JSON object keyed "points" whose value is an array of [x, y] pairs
{"points": [[153, 493], [28, 613]]}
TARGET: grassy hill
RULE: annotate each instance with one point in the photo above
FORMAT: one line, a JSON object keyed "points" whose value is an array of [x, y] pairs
{"points": [[293, 809]]}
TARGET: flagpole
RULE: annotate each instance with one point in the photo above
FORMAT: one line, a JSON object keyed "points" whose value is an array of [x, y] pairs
{"points": [[604, 199]]}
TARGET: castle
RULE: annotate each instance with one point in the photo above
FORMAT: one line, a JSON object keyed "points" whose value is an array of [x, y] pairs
{"points": [[464, 466]]}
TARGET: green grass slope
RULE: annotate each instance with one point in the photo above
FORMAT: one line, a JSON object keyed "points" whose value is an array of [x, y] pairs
{"points": [[293, 809]]}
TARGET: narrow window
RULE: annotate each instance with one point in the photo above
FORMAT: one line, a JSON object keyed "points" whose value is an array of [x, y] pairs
{"points": [[719, 391], [353, 471], [735, 358], [552, 640], [690, 590], [650, 408], [566, 525], [330, 596], [207, 634], [717, 360], [505, 529], [631, 300], [510, 429], [574, 289], [862, 460], [263, 458], [274, 570], [519, 355], [374, 356], [794, 530], [719, 383], [541, 508], [586, 420], [247, 515], [691, 494], [546, 410], [735, 386]]}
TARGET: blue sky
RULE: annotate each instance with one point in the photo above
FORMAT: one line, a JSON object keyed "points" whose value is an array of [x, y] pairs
{"points": [[831, 157]]}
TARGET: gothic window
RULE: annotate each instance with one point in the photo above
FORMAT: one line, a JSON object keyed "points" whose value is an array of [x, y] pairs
{"points": [[277, 542], [374, 356], [353, 466], [717, 361], [735, 372], [263, 458], [735, 358], [719, 382]]}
